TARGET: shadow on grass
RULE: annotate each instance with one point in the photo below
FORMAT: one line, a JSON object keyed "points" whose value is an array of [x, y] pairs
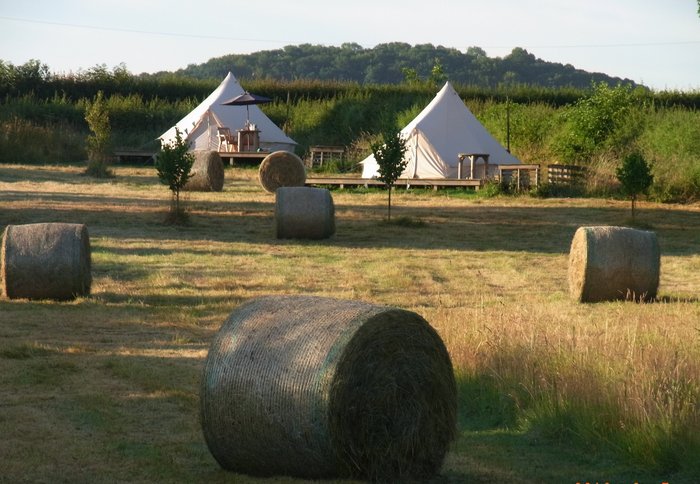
{"points": [[476, 227], [166, 301]]}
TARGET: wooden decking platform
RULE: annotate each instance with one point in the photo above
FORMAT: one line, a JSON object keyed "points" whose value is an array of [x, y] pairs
{"points": [[243, 157], [434, 183], [134, 156]]}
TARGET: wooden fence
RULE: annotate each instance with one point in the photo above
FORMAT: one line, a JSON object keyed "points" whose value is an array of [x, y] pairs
{"points": [[320, 154], [565, 174], [519, 176]]}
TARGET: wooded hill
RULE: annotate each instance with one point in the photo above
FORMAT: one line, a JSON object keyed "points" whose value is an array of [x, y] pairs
{"points": [[398, 62]]}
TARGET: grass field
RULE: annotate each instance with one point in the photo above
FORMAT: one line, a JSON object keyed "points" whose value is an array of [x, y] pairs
{"points": [[105, 388]]}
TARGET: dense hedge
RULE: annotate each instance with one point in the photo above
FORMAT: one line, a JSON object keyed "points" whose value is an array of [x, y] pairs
{"points": [[40, 121]]}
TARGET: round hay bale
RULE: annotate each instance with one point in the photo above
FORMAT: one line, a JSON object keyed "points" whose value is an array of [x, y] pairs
{"points": [[304, 213], [316, 387], [281, 169], [207, 173], [46, 261], [609, 263]]}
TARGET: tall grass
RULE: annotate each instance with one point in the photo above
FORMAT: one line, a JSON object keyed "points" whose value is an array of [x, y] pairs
{"points": [[613, 380], [672, 141], [22, 141], [531, 128], [54, 130]]}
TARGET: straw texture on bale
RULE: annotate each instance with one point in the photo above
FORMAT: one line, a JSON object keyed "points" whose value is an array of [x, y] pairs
{"points": [[317, 388], [610, 263], [207, 173], [46, 261], [304, 213], [281, 169]]}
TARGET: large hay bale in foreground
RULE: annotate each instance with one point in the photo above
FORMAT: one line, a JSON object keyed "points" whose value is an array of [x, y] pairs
{"points": [[46, 261], [207, 173], [281, 169], [317, 387], [609, 263], [304, 213]]}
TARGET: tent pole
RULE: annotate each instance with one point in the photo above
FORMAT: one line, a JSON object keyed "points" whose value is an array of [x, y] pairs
{"points": [[507, 124], [415, 153]]}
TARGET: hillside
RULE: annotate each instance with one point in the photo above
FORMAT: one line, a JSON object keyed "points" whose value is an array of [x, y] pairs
{"points": [[396, 62]]}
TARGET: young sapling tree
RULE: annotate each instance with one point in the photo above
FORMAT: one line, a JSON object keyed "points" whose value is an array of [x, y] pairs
{"points": [[173, 164], [635, 177], [389, 153]]}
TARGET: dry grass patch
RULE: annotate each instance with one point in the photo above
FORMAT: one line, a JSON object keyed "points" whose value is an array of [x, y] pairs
{"points": [[103, 388]]}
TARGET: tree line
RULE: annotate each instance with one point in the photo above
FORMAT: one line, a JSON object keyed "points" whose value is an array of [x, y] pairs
{"points": [[387, 64], [35, 79]]}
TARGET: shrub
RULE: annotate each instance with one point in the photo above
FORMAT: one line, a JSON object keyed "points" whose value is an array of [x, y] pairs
{"points": [[173, 165], [491, 189], [553, 190], [99, 142], [593, 122]]}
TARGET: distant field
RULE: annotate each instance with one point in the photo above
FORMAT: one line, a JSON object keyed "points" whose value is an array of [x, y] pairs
{"points": [[105, 388]]}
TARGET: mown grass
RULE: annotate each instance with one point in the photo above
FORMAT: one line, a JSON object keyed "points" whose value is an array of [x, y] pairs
{"points": [[105, 388]]}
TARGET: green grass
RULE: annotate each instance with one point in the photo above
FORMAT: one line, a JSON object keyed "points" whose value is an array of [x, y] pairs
{"points": [[105, 388], [23, 351]]}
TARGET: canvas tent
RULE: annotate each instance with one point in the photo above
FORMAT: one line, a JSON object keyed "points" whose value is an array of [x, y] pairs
{"points": [[199, 126], [435, 138]]}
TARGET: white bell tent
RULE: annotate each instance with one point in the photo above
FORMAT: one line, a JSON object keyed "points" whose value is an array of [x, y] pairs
{"points": [[199, 127], [436, 137]]}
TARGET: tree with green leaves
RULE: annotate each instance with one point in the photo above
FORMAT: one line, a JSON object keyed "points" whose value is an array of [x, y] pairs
{"points": [[99, 142], [173, 164], [437, 74], [410, 76], [595, 123], [635, 176], [389, 153]]}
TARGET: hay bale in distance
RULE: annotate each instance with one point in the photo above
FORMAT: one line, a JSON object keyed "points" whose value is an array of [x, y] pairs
{"points": [[317, 387], [46, 261], [281, 169], [609, 263], [207, 173], [304, 213]]}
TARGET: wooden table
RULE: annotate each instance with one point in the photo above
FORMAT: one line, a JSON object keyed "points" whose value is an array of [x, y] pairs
{"points": [[248, 139], [472, 160]]}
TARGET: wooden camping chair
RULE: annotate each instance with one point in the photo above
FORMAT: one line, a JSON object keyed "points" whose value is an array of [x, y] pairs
{"points": [[226, 139]]}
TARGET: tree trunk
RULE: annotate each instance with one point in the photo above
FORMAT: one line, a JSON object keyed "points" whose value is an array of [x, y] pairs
{"points": [[175, 203], [389, 207]]}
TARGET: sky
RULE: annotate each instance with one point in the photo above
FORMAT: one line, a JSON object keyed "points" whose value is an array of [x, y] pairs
{"points": [[653, 42]]}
